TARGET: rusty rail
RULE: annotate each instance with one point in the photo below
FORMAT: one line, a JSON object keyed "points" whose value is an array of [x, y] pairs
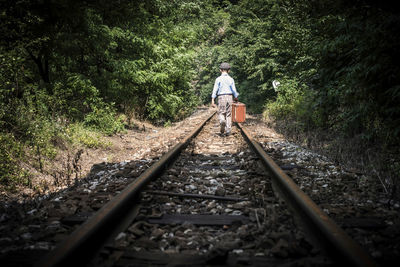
{"points": [[325, 232], [83, 244]]}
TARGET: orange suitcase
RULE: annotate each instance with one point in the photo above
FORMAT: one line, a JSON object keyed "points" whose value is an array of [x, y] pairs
{"points": [[238, 112]]}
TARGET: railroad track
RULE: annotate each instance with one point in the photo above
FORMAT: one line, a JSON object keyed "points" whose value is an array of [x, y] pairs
{"points": [[209, 201]]}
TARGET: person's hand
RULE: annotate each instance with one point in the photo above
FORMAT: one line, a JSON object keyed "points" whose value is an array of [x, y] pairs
{"points": [[213, 104], [236, 99]]}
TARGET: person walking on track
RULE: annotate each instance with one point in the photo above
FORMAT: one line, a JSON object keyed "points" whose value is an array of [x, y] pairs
{"points": [[225, 90]]}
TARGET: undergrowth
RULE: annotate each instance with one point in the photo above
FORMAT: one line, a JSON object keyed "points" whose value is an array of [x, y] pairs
{"points": [[39, 152], [355, 153], [11, 153], [78, 134]]}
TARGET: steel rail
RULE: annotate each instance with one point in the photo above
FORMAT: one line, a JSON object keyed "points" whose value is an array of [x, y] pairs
{"points": [[325, 232], [86, 241]]}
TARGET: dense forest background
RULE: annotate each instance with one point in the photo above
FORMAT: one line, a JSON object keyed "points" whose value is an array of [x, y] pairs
{"points": [[72, 70]]}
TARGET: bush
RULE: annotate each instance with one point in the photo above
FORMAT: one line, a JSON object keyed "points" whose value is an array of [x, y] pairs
{"points": [[104, 119], [11, 154], [77, 133]]}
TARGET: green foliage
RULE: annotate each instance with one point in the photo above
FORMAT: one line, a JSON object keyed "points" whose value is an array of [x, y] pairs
{"points": [[104, 119], [361, 71], [288, 101], [342, 57], [32, 123], [74, 96], [70, 69], [78, 134], [11, 154]]}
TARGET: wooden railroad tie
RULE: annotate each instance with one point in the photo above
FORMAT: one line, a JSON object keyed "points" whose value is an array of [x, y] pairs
{"points": [[186, 195], [199, 219]]}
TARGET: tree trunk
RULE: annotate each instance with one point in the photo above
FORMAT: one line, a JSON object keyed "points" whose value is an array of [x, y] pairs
{"points": [[42, 62]]}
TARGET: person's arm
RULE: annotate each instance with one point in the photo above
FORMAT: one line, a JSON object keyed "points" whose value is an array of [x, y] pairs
{"points": [[234, 91], [214, 93]]}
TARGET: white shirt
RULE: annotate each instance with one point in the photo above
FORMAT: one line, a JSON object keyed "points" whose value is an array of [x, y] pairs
{"points": [[224, 85]]}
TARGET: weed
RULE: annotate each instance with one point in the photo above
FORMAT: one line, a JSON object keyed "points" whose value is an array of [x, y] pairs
{"points": [[77, 133]]}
